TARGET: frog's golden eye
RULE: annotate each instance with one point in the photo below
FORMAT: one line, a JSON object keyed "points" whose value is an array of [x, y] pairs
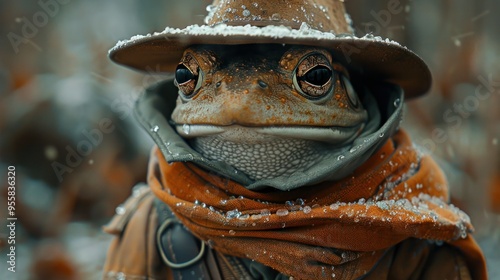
{"points": [[314, 76], [185, 80], [187, 76], [183, 75], [318, 76]]}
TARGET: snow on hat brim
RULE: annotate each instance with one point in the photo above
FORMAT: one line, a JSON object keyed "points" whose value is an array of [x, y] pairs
{"points": [[373, 58]]}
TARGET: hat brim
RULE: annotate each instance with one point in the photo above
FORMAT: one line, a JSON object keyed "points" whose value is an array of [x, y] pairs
{"points": [[373, 58]]}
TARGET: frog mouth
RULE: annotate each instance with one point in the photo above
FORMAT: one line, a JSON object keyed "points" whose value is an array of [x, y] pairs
{"points": [[331, 135]]}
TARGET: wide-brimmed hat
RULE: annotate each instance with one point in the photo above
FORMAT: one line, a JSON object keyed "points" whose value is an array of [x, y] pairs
{"points": [[320, 23]]}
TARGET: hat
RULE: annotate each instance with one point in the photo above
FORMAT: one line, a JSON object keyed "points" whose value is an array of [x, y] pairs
{"points": [[319, 23]]}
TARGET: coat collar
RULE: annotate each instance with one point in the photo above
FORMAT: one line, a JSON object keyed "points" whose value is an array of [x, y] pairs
{"points": [[154, 108]]}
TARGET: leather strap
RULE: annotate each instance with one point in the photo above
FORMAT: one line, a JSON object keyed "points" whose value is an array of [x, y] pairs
{"points": [[189, 258], [163, 232], [182, 251]]}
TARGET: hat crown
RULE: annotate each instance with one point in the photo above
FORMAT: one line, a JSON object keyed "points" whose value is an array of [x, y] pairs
{"points": [[310, 22], [323, 15]]}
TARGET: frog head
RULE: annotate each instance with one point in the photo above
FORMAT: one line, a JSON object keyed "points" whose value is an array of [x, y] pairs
{"points": [[268, 110]]}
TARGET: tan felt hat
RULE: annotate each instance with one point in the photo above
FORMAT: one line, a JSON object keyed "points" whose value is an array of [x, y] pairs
{"points": [[321, 23]]}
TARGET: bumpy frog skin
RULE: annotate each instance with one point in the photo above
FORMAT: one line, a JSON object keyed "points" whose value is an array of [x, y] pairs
{"points": [[267, 110]]}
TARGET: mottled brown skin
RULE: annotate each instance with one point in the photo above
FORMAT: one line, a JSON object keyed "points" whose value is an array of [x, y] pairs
{"points": [[253, 86]]}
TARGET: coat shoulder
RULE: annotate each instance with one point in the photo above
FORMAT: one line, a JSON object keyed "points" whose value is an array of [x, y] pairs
{"points": [[132, 253]]}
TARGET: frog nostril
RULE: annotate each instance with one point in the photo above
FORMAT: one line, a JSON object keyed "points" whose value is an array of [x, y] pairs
{"points": [[262, 84]]}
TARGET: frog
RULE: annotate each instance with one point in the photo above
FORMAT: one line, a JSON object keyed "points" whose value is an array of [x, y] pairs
{"points": [[267, 110], [279, 154]]}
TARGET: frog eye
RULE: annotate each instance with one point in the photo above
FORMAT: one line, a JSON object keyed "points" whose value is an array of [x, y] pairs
{"points": [[183, 75], [314, 77], [185, 80], [351, 93], [318, 76], [188, 76]]}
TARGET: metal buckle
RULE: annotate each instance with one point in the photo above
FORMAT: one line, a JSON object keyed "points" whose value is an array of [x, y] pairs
{"points": [[159, 233]]}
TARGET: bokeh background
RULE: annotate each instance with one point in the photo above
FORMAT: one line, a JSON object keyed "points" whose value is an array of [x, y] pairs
{"points": [[67, 127]]}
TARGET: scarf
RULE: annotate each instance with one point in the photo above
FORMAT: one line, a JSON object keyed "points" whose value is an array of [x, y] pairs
{"points": [[332, 229]]}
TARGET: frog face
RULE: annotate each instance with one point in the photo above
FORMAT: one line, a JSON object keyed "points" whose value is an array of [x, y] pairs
{"points": [[268, 110]]}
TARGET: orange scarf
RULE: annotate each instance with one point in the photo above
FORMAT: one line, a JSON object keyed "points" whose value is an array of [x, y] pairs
{"points": [[323, 230]]}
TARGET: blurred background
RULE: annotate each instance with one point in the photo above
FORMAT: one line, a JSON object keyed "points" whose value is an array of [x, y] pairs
{"points": [[66, 122]]}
